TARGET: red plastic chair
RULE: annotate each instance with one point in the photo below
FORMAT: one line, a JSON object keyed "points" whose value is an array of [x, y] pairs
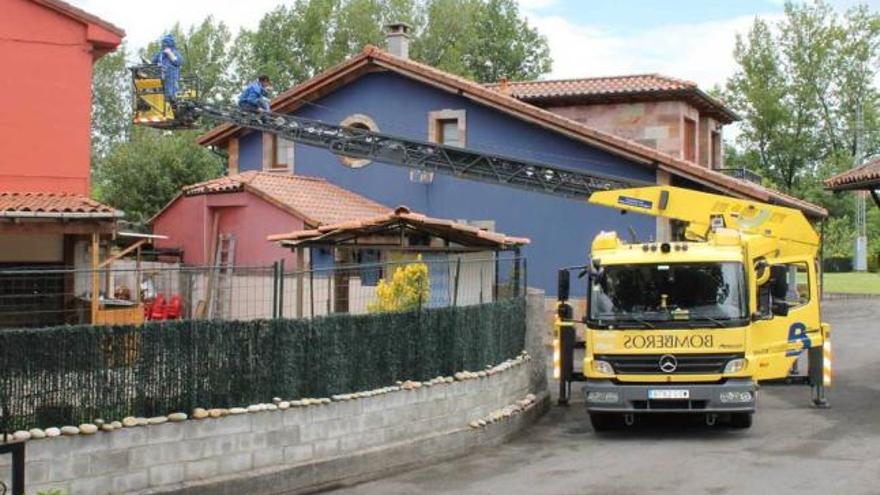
{"points": [[174, 308], [160, 309]]}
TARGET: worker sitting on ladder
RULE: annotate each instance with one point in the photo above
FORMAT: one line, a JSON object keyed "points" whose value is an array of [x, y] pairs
{"points": [[169, 59], [255, 96]]}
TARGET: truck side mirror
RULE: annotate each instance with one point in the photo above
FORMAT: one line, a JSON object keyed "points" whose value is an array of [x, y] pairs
{"points": [[563, 285]]}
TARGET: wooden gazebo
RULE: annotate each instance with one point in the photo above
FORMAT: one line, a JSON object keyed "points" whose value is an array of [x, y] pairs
{"points": [[399, 232]]}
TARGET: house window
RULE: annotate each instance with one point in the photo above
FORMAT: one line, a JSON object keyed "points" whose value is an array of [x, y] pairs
{"points": [[715, 153], [447, 127], [283, 155], [690, 140], [358, 121]]}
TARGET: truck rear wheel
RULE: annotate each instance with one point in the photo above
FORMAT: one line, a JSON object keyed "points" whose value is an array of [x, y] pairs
{"points": [[741, 421], [606, 421]]}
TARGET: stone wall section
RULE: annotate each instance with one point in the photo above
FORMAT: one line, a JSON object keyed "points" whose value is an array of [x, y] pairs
{"points": [[176, 456]]}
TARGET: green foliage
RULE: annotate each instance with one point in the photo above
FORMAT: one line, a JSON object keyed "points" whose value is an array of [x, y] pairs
{"points": [[481, 39], [408, 290], [207, 54], [140, 176], [157, 368], [111, 101], [799, 85], [484, 40]]}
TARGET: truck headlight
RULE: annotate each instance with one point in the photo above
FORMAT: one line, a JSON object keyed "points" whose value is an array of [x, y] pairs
{"points": [[728, 397], [603, 397], [603, 367], [735, 365]]}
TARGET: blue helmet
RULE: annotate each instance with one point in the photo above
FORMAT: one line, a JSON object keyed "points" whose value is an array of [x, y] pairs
{"points": [[168, 41]]}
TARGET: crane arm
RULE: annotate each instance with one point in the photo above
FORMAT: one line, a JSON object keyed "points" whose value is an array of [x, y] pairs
{"points": [[414, 154], [704, 211]]}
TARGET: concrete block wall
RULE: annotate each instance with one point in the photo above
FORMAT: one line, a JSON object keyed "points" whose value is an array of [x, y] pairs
{"points": [[207, 454]]}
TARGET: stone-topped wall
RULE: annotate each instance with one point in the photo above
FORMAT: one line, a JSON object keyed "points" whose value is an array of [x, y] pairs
{"points": [[178, 457], [301, 445]]}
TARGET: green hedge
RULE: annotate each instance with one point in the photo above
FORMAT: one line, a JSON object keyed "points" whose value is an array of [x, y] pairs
{"points": [[69, 375]]}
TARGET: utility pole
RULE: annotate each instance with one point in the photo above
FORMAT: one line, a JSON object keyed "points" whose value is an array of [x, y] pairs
{"points": [[860, 260]]}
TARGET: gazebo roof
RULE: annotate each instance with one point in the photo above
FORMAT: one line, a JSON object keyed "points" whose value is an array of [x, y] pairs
{"points": [[398, 221]]}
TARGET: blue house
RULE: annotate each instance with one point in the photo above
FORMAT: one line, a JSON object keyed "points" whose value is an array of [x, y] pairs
{"points": [[389, 93]]}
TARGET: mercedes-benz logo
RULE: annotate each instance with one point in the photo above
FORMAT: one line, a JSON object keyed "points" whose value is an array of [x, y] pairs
{"points": [[668, 363]]}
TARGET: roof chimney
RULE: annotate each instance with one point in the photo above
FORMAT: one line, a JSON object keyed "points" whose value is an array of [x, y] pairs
{"points": [[504, 85], [397, 38]]}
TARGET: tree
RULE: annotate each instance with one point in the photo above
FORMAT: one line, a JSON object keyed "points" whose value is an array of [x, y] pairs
{"points": [[142, 175], [800, 85], [111, 101], [206, 52], [481, 39]]}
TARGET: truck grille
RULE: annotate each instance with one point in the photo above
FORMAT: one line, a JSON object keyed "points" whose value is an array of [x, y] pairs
{"points": [[644, 364]]}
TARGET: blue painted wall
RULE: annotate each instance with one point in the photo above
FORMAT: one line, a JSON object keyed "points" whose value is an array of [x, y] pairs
{"points": [[560, 229]]}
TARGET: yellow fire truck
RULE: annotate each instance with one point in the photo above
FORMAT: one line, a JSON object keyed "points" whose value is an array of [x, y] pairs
{"points": [[694, 326]]}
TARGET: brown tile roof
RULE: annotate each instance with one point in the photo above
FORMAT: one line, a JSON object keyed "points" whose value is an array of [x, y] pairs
{"points": [[615, 88], [52, 205], [313, 199], [866, 176], [371, 57], [80, 15], [465, 235]]}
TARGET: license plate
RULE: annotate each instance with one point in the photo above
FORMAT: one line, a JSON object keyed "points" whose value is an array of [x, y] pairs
{"points": [[669, 394]]}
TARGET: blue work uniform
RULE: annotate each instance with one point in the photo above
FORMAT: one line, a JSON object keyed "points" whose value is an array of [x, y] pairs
{"points": [[170, 66], [254, 97]]}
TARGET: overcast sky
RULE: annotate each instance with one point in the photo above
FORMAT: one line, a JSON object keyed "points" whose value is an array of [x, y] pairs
{"points": [[689, 39]]}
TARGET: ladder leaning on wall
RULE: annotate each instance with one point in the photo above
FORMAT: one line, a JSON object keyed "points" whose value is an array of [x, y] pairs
{"points": [[220, 279]]}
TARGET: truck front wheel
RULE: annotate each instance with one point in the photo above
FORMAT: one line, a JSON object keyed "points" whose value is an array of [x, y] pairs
{"points": [[606, 421], [741, 420]]}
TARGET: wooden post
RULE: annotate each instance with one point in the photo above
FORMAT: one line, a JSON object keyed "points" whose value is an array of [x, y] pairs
{"points": [[96, 283], [300, 268], [137, 277]]}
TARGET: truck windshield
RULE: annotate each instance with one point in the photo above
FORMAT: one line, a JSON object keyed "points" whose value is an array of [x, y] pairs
{"points": [[651, 295]]}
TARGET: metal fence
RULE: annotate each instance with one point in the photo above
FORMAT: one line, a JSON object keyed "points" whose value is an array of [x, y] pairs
{"points": [[49, 296]]}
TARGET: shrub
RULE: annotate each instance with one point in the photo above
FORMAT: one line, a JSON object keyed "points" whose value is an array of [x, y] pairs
{"points": [[408, 290]]}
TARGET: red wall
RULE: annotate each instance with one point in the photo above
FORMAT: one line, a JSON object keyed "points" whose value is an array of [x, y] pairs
{"points": [[45, 97], [189, 220]]}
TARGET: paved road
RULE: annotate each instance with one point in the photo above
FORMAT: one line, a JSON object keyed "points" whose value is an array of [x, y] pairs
{"points": [[792, 448]]}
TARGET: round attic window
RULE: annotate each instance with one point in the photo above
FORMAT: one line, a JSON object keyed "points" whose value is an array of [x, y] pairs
{"points": [[358, 121]]}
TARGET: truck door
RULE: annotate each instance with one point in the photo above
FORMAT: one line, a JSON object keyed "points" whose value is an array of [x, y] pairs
{"points": [[788, 312]]}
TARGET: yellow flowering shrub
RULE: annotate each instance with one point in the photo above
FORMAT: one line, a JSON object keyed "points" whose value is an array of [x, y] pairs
{"points": [[408, 289]]}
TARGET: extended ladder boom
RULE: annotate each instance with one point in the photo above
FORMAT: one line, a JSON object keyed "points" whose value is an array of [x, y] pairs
{"points": [[415, 154]]}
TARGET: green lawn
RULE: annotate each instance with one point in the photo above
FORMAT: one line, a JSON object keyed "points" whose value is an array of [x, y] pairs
{"points": [[852, 283]]}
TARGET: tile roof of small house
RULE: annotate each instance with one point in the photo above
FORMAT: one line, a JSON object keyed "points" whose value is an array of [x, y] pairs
{"points": [[866, 176], [610, 89], [313, 199], [53, 205], [372, 57], [463, 234]]}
